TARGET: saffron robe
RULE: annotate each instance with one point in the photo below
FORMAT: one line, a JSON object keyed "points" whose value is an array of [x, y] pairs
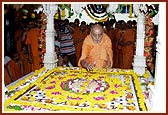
{"points": [[128, 50], [26, 65], [18, 38], [32, 40], [99, 54], [7, 78], [14, 70]]}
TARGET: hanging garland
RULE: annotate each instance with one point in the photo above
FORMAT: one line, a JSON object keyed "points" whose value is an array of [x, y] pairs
{"points": [[42, 38], [149, 43], [150, 37], [152, 10], [97, 12], [97, 8]]}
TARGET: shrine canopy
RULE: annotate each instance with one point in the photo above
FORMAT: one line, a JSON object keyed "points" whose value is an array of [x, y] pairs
{"points": [[84, 12]]}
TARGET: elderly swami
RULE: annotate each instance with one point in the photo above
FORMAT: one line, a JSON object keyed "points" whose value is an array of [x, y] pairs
{"points": [[96, 50]]}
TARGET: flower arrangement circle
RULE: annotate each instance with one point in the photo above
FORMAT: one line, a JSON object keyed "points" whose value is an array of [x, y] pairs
{"points": [[84, 86]]}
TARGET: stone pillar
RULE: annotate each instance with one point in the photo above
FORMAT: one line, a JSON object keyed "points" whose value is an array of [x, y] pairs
{"points": [[139, 63], [50, 57]]}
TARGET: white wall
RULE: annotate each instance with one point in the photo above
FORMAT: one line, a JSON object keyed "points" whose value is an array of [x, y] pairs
{"points": [[159, 97]]}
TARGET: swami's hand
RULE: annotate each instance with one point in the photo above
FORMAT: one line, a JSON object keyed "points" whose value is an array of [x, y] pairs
{"points": [[91, 66]]}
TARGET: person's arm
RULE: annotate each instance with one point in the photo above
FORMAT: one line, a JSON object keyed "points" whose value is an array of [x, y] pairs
{"points": [[85, 52], [60, 61], [128, 43], [108, 65], [24, 36], [58, 35], [110, 54], [83, 63], [86, 65], [30, 54], [21, 67], [10, 74], [9, 71], [122, 43], [121, 39], [71, 29], [28, 42]]}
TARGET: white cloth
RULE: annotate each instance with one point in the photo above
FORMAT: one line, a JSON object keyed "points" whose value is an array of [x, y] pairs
{"points": [[57, 43], [6, 60], [69, 64]]}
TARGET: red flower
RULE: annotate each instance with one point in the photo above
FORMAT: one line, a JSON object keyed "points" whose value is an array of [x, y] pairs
{"points": [[50, 87]]}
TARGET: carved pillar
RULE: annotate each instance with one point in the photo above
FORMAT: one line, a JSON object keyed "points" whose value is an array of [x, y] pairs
{"points": [[139, 63], [50, 57]]}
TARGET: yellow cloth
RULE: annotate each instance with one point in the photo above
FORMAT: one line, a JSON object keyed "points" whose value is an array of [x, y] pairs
{"points": [[97, 53]]}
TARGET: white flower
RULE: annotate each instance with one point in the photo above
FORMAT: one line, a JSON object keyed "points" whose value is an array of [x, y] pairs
{"points": [[98, 91], [91, 91], [70, 86], [76, 80], [102, 88]]}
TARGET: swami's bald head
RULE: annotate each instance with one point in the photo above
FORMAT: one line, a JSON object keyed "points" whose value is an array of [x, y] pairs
{"points": [[96, 33]]}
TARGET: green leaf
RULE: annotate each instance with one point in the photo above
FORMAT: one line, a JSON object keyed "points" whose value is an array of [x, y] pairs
{"points": [[71, 13], [25, 11], [80, 15], [143, 84], [10, 92], [66, 86], [67, 7], [16, 107]]}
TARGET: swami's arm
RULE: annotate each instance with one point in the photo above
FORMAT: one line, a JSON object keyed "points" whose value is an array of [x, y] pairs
{"points": [[110, 52]]}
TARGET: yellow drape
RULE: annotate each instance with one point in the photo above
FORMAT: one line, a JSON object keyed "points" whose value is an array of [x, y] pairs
{"points": [[130, 12]]}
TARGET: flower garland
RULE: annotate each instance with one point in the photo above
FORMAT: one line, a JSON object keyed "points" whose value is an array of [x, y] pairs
{"points": [[42, 38], [149, 43], [149, 12], [51, 81], [100, 16]]}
